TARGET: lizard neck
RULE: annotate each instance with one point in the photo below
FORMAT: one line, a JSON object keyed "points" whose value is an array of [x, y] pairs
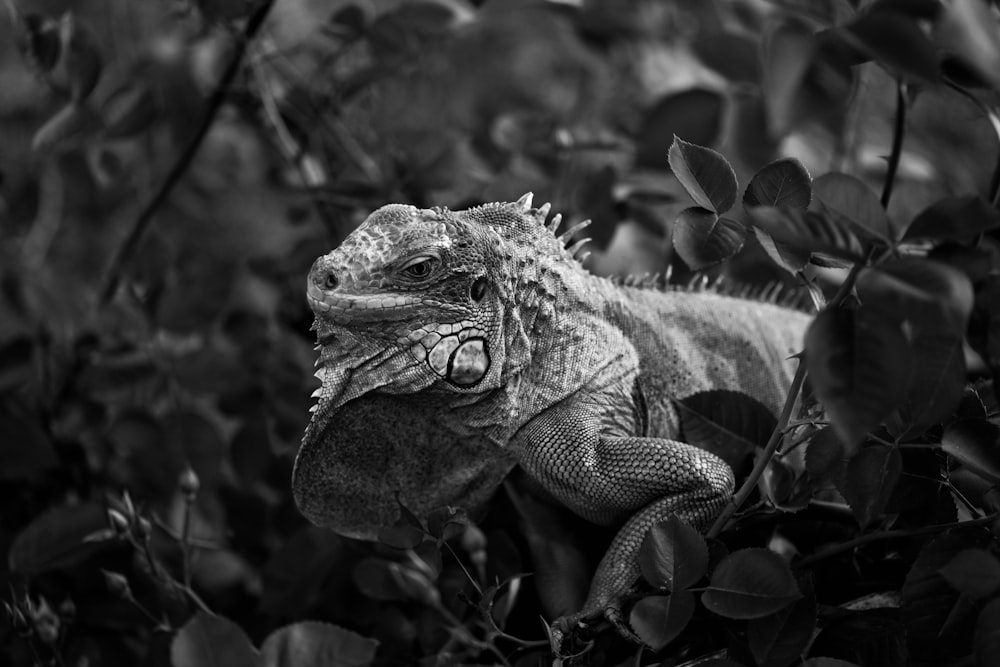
{"points": [[558, 339]]}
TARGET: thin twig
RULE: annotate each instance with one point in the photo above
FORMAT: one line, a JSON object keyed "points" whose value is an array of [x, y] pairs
{"points": [[897, 143], [888, 535], [215, 102]]}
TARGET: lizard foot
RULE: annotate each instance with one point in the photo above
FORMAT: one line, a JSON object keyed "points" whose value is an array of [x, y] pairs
{"points": [[566, 626]]}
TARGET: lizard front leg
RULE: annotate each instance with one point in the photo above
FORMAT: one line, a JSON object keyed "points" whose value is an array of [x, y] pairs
{"points": [[581, 451]]}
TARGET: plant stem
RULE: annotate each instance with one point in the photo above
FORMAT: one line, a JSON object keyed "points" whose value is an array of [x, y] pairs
{"points": [[765, 457], [888, 535], [897, 143], [771, 447], [215, 102]]}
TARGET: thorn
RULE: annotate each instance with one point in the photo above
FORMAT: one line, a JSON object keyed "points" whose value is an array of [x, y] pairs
{"points": [[524, 203], [555, 222], [568, 234], [668, 274], [575, 248], [583, 257], [544, 209]]}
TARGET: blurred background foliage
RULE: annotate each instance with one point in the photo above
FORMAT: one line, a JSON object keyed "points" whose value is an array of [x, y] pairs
{"points": [[160, 207]]}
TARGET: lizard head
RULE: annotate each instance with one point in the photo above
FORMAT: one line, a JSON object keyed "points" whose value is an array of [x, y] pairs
{"points": [[428, 302]]}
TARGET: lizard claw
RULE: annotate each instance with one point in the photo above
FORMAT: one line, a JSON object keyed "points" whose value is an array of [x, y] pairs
{"points": [[565, 626], [613, 613]]}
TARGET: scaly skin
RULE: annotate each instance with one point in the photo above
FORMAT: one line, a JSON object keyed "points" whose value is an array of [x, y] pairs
{"points": [[457, 344]]}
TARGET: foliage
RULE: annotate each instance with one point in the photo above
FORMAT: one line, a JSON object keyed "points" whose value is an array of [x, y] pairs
{"points": [[168, 176]]}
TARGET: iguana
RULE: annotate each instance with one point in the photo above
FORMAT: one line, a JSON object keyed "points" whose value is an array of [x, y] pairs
{"points": [[455, 345]]}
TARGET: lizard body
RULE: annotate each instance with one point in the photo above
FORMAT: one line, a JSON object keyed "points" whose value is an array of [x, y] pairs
{"points": [[457, 344]]}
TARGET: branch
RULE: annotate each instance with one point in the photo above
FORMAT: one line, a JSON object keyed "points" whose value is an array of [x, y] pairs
{"points": [[215, 102], [888, 535]]}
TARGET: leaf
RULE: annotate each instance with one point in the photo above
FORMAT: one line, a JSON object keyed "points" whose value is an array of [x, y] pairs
{"points": [[850, 202], [784, 183], [938, 382], [55, 539], [932, 295], [929, 601], [788, 54], [779, 639], [705, 174], [313, 644], [967, 29], [954, 219], [896, 42], [807, 231], [702, 238], [658, 619], [869, 479], [788, 258], [695, 114], [975, 443], [733, 55], [860, 367], [673, 555], [251, 452], [974, 572], [750, 583], [212, 641], [987, 637], [825, 455], [727, 423]]}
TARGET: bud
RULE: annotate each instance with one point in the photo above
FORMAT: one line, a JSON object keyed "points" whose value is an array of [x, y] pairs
{"points": [[189, 484], [117, 584], [117, 521]]}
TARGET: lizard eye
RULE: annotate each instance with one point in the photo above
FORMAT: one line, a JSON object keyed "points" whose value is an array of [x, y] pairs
{"points": [[419, 267]]}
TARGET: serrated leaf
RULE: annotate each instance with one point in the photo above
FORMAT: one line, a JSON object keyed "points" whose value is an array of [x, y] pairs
{"points": [[784, 183], [975, 443], [869, 479], [934, 296], [778, 639], [826, 455], [658, 619], [212, 641], [974, 572], [313, 644], [807, 231], [897, 43], [55, 539], [954, 219], [850, 202], [705, 174], [860, 367], [702, 238], [695, 114], [938, 382], [727, 423], [782, 254], [673, 555], [750, 583]]}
